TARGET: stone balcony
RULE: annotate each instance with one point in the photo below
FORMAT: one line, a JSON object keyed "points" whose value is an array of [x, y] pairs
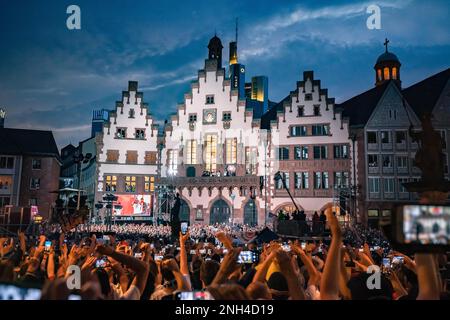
{"points": [[242, 182]]}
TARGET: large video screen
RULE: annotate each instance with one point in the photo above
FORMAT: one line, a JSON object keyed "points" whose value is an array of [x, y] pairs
{"points": [[133, 204]]}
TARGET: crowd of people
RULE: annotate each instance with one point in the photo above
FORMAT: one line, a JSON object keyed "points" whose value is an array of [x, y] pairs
{"points": [[141, 262]]}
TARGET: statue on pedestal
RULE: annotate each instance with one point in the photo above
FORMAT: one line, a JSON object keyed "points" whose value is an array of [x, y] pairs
{"points": [[430, 160]]}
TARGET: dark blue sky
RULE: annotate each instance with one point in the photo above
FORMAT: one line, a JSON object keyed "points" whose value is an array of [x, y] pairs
{"points": [[52, 78]]}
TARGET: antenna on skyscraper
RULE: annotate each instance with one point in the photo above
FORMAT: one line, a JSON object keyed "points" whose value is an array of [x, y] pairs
{"points": [[236, 30]]}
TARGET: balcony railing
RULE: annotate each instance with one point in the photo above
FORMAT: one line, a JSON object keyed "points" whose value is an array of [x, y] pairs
{"points": [[244, 181]]}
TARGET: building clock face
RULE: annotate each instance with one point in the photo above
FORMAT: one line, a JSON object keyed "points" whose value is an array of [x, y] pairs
{"points": [[209, 116]]}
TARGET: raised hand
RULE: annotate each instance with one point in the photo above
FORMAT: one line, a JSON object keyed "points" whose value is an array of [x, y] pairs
{"points": [[171, 265], [104, 250], [228, 265], [333, 223], [184, 238]]}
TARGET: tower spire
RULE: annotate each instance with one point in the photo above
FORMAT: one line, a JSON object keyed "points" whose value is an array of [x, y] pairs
{"points": [[236, 30]]}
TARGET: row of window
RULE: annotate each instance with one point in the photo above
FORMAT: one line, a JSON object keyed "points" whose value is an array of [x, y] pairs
{"points": [[316, 130], [387, 161], [226, 116], [6, 162], [129, 183], [139, 134], [399, 136], [319, 152], [131, 156], [374, 184], [210, 156], [321, 180], [386, 137]]}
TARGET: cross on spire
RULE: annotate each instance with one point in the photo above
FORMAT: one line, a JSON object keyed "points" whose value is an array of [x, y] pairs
{"points": [[386, 42]]}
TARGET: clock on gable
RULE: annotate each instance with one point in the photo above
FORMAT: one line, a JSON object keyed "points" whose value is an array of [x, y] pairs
{"points": [[209, 116]]}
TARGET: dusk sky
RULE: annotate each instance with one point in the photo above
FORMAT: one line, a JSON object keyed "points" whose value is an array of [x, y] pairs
{"points": [[52, 78]]}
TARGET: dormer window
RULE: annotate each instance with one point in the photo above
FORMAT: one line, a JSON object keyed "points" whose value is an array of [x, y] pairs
{"points": [[131, 113], [121, 133], [210, 99], [308, 97], [300, 111]]}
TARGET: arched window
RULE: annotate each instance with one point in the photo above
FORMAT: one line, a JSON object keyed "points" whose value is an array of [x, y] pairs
{"points": [[184, 211], [394, 73], [379, 75], [251, 213], [220, 212], [386, 73]]}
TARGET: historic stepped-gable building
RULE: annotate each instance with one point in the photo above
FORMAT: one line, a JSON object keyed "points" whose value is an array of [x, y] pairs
{"points": [[127, 155], [310, 147], [212, 148], [380, 120]]}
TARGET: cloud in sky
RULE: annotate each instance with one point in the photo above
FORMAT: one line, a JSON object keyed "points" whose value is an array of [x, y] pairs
{"points": [[53, 78]]}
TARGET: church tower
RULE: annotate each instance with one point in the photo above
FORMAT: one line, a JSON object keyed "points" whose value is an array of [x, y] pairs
{"points": [[387, 67], [215, 50]]}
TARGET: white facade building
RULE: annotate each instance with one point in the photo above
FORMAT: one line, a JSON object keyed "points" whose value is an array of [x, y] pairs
{"points": [[127, 155], [212, 148]]}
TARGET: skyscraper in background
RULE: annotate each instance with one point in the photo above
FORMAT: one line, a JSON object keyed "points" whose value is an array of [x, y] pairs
{"points": [[256, 93], [237, 71], [99, 118], [260, 89]]}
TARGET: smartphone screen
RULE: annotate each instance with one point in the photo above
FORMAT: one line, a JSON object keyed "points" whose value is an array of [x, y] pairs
{"points": [[158, 258], [397, 260], [184, 228], [100, 263], [247, 257], [386, 263], [286, 247], [303, 245], [48, 244], [194, 295]]}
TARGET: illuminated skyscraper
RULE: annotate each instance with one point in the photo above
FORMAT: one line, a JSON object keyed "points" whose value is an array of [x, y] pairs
{"points": [[260, 86], [237, 71]]}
